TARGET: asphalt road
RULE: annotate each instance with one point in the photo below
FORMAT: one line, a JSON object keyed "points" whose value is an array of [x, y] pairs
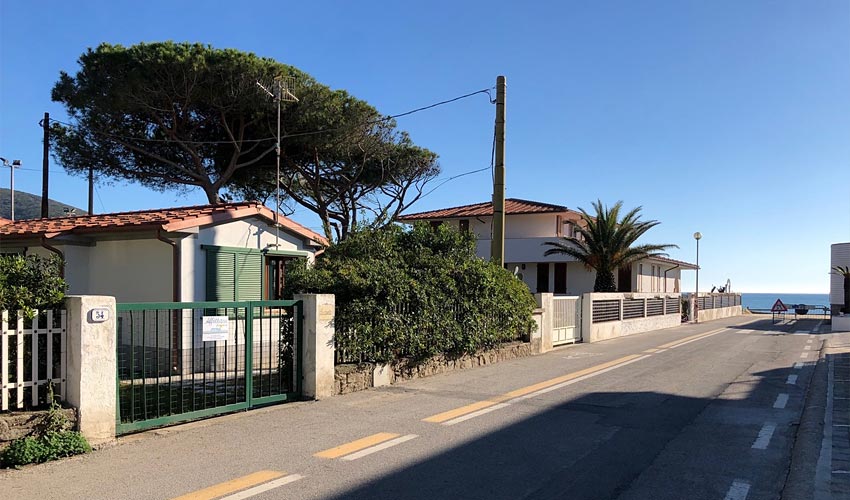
{"points": [[705, 411]]}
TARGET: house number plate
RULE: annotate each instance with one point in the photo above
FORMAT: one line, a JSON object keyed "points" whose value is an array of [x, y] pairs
{"points": [[98, 314]]}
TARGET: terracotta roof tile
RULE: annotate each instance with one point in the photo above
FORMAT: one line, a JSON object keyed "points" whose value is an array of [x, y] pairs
{"points": [[512, 206], [168, 219]]}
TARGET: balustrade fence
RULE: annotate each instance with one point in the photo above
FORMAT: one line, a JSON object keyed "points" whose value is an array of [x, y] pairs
{"points": [[634, 307], [32, 355]]}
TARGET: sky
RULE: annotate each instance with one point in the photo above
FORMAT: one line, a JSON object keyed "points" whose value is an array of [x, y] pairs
{"points": [[726, 117]]}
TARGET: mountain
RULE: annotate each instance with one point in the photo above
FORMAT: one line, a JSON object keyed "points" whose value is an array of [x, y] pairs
{"points": [[28, 206]]}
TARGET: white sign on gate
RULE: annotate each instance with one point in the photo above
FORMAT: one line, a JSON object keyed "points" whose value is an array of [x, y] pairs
{"points": [[215, 328]]}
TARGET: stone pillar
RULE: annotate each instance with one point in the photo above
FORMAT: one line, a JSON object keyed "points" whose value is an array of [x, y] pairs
{"points": [[317, 351], [92, 366], [544, 302]]}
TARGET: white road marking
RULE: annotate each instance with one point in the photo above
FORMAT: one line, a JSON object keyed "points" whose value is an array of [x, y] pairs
{"points": [[798, 365], [474, 414], [807, 347], [804, 355], [379, 447], [256, 490], [781, 401], [763, 440], [738, 491], [792, 379], [809, 341]]}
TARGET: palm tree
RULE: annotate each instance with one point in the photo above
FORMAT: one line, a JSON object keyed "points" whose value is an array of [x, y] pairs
{"points": [[845, 272], [605, 242]]}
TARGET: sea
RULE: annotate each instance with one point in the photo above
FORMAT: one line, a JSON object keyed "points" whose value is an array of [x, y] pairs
{"points": [[766, 300]]}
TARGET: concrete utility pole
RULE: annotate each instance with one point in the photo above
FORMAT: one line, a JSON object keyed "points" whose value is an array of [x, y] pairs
{"points": [[45, 164], [497, 245]]}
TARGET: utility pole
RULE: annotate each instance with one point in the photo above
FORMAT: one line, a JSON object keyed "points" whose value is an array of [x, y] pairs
{"points": [[497, 245], [45, 164], [91, 190]]}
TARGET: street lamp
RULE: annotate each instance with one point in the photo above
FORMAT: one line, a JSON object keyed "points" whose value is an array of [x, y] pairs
{"points": [[697, 236], [12, 166]]}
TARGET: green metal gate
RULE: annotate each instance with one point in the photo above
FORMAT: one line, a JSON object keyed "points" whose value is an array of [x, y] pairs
{"points": [[182, 361]]}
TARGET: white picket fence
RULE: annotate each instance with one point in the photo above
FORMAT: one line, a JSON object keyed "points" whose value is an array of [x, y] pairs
{"points": [[47, 330]]}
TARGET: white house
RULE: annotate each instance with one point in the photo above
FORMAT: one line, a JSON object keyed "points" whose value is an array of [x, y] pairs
{"points": [[528, 224], [208, 252], [840, 256]]}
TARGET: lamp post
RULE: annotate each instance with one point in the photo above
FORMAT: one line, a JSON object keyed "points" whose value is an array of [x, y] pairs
{"points": [[12, 166], [697, 236]]}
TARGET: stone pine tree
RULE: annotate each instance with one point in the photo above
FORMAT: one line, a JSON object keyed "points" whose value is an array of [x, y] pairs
{"points": [[606, 241], [174, 116]]}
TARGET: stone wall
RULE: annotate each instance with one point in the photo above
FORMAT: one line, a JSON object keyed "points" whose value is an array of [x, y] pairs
{"points": [[19, 424], [353, 378]]}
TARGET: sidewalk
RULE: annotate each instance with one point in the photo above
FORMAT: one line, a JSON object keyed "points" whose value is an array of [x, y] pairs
{"points": [[820, 466]]}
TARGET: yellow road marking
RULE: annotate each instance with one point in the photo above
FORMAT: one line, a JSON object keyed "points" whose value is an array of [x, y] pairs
{"points": [[357, 445], [463, 410], [240, 483], [687, 339], [651, 351]]}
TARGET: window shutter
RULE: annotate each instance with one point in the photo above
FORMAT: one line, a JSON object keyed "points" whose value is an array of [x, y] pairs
{"points": [[249, 276], [220, 276]]}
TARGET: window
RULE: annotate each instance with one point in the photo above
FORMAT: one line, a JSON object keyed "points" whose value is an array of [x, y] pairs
{"points": [[275, 277], [640, 277], [239, 274], [463, 225], [435, 224]]}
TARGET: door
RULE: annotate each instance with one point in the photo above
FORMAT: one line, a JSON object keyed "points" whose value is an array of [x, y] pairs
{"points": [[560, 277], [624, 279]]}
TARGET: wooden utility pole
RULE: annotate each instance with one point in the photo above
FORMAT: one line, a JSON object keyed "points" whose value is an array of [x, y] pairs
{"points": [[45, 164], [497, 245]]}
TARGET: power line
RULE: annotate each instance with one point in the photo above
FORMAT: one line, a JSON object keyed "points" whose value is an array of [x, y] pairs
{"points": [[297, 134], [453, 178]]}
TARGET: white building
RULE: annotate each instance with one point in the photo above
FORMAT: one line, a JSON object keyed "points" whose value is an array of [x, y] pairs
{"points": [[528, 224], [840, 256], [210, 252]]}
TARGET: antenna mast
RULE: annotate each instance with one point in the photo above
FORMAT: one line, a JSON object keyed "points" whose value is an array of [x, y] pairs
{"points": [[281, 92]]}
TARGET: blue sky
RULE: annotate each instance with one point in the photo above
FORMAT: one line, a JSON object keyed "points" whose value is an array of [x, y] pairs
{"points": [[726, 117]]}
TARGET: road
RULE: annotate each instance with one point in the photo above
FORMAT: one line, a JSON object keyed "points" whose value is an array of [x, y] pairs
{"points": [[706, 411]]}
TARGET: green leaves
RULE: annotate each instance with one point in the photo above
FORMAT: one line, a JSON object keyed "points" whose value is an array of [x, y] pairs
{"points": [[607, 241], [415, 293], [30, 282]]}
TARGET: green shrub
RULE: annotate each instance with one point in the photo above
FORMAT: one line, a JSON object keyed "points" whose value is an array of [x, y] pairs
{"points": [[31, 282], [415, 293], [51, 441]]}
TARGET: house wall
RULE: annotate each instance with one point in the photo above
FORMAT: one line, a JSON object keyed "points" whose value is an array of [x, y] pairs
{"points": [[644, 281], [136, 270], [840, 256], [579, 279], [130, 270]]}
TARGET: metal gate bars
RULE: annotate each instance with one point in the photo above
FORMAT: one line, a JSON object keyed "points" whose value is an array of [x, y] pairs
{"points": [[188, 360]]}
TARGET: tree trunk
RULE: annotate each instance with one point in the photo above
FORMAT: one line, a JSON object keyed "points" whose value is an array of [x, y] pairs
{"points": [[212, 195], [604, 281]]}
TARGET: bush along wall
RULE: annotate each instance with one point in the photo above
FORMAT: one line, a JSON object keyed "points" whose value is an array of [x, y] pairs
{"points": [[415, 293], [52, 439]]}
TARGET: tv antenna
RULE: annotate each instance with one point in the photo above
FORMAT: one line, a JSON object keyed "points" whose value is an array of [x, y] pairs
{"points": [[280, 92]]}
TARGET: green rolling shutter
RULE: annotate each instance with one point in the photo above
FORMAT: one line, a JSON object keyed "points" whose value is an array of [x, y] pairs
{"points": [[249, 276], [221, 277], [234, 276]]}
